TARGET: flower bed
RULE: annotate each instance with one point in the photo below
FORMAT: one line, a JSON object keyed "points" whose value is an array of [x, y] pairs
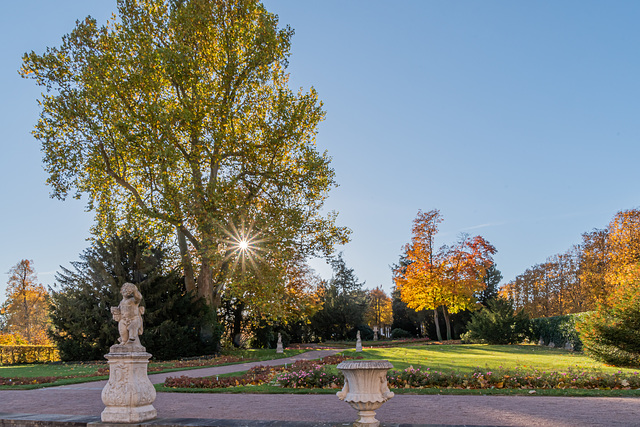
{"points": [[301, 374], [28, 380], [254, 376], [520, 378]]}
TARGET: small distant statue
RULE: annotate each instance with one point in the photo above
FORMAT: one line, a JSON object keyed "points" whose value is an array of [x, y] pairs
{"points": [[358, 342], [129, 315], [279, 348]]}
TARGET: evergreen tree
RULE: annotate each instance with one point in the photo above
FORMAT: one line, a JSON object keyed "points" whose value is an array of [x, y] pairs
{"points": [[611, 334], [497, 323], [404, 318], [344, 304], [492, 278], [83, 325]]}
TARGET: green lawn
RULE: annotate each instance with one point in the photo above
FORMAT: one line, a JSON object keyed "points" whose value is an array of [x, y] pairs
{"points": [[80, 372], [446, 358], [466, 357]]}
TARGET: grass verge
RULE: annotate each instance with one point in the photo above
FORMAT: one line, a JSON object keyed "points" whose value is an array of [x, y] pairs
{"points": [[463, 359], [75, 373]]}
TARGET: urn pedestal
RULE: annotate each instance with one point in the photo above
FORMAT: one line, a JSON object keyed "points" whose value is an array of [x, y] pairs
{"points": [[365, 388], [129, 395]]}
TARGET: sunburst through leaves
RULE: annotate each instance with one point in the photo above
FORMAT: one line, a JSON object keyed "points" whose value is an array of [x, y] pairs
{"points": [[244, 245]]}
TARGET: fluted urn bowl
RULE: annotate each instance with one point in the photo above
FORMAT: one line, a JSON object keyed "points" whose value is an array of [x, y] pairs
{"points": [[365, 388]]}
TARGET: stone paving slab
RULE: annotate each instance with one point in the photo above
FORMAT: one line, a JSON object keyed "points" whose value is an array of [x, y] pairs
{"points": [[83, 400], [30, 420]]}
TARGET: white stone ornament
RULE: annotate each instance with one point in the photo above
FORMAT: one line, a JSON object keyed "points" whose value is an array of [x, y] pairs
{"points": [[129, 395], [365, 388], [279, 348], [358, 342]]}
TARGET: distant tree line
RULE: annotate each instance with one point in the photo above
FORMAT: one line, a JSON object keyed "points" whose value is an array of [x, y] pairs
{"points": [[584, 276]]}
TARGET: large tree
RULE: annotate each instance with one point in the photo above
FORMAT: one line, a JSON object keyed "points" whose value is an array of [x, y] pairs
{"points": [[379, 311], [446, 277], [177, 117], [26, 309]]}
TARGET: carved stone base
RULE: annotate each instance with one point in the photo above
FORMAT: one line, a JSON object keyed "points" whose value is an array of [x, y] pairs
{"points": [[129, 395], [120, 414]]}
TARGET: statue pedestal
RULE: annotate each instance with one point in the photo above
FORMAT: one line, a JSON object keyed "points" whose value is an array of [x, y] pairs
{"points": [[129, 395]]}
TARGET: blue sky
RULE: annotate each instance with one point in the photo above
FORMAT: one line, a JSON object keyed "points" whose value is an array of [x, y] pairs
{"points": [[518, 120]]}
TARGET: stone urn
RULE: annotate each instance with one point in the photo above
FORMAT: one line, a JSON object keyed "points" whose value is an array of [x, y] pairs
{"points": [[365, 388]]}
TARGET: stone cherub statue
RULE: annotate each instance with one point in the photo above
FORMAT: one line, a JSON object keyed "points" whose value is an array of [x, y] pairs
{"points": [[129, 315]]}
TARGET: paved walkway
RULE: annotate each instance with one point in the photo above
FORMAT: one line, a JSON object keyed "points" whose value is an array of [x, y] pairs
{"points": [[320, 410]]}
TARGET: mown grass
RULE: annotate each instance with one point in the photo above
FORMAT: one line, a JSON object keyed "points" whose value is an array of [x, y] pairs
{"points": [[80, 372], [463, 359]]}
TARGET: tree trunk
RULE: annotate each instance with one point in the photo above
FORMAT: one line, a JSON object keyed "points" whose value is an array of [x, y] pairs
{"points": [[446, 320], [236, 333], [187, 264], [204, 287], [435, 319], [205, 284]]}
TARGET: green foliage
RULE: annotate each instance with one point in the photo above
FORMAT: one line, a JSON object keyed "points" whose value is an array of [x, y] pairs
{"points": [[178, 117], [366, 333], [557, 330], [491, 279], [83, 325], [405, 318], [266, 336], [497, 324], [344, 304], [398, 333], [611, 334]]}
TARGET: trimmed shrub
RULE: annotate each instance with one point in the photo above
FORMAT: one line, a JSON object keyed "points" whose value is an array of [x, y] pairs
{"points": [[366, 333], [557, 329], [14, 354], [399, 333], [497, 323]]}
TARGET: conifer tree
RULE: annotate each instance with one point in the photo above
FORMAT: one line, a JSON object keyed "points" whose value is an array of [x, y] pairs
{"points": [[344, 304], [83, 325]]}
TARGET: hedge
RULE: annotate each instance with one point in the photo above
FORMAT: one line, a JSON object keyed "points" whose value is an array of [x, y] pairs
{"points": [[557, 330], [15, 354]]}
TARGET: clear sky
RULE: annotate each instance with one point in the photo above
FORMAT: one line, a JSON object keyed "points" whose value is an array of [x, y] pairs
{"points": [[518, 120]]}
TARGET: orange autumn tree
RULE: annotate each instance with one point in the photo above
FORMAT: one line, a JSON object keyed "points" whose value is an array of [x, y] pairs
{"points": [[379, 312], [466, 264], [446, 277], [27, 305]]}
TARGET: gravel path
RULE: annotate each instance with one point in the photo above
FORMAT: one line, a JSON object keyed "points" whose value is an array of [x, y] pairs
{"points": [[84, 399]]}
